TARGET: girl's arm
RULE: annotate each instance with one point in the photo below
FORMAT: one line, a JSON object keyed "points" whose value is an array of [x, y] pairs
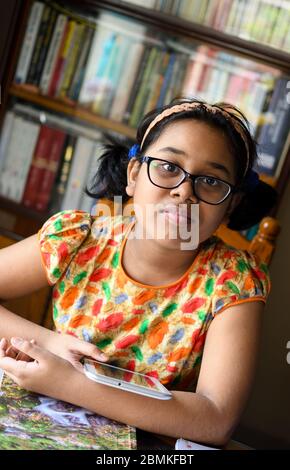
{"points": [[21, 273], [209, 415]]}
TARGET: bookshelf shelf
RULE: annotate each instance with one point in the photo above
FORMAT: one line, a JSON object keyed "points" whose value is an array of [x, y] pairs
{"points": [[249, 49], [59, 106], [18, 209]]}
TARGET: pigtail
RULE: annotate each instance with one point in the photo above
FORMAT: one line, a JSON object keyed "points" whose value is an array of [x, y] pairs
{"points": [[111, 177], [254, 205]]}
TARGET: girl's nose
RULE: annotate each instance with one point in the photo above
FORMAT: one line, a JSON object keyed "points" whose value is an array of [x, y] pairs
{"points": [[184, 192]]}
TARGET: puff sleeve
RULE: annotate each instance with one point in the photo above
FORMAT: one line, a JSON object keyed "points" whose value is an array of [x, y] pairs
{"points": [[60, 238], [242, 279]]}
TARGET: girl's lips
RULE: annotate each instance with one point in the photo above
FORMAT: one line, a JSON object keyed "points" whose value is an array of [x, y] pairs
{"points": [[176, 217]]}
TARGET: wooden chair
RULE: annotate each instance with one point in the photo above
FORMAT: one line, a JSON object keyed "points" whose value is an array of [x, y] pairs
{"points": [[262, 245]]}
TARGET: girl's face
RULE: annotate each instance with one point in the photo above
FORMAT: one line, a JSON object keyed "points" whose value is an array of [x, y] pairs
{"points": [[200, 150]]}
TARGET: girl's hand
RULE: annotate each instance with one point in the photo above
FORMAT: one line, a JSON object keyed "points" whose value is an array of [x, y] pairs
{"points": [[73, 350], [45, 373], [6, 349]]}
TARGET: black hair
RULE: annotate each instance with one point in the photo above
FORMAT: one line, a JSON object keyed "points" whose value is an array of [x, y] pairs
{"points": [[111, 177], [255, 203]]}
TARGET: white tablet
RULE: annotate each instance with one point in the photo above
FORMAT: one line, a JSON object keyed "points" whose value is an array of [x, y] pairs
{"points": [[124, 379]]}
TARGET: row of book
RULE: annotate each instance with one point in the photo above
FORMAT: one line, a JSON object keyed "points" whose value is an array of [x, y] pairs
{"points": [[263, 21], [121, 72], [46, 166]]}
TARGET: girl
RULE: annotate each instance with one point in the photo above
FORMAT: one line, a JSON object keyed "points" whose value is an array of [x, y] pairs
{"points": [[190, 317]]}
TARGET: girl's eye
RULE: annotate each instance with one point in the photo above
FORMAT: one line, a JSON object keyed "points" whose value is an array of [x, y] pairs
{"points": [[170, 168], [210, 181]]}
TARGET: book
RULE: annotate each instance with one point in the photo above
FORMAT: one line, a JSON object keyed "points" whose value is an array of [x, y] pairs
{"points": [[126, 82], [45, 46], [14, 173], [28, 42], [86, 202], [29, 421], [37, 167], [50, 170], [5, 136], [71, 60], [183, 444], [79, 173], [62, 175], [59, 63], [274, 132], [52, 54], [65, 55], [78, 75], [31, 75], [109, 28], [144, 89], [137, 83]]}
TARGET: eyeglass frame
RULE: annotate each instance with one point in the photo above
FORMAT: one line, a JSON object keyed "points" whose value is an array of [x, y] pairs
{"points": [[187, 175]]}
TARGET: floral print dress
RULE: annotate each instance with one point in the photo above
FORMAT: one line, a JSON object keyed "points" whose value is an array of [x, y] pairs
{"points": [[156, 330]]}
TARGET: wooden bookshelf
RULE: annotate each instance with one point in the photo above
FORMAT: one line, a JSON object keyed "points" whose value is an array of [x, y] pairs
{"points": [[176, 25], [70, 109], [163, 22]]}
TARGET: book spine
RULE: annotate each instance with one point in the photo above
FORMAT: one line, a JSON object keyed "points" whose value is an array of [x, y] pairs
{"points": [[37, 167], [144, 88], [95, 64], [50, 171], [62, 175], [87, 202], [137, 83], [45, 46], [128, 76], [167, 79], [109, 53], [68, 45], [52, 87], [28, 42], [20, 157], [6, 136], [78, 173], [38, 45], [283, 157], [74, 50], [273, 135], [156, 85], [52, 53], [116, 71], [78, 77]]}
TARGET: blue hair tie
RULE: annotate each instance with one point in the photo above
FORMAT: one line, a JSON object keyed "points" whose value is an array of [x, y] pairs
{"points": [[251, 181], [133, 151]]}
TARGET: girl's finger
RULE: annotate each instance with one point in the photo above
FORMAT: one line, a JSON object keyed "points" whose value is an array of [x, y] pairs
{"points": [[3, 347], [18, 355], [11, 352], [29, 348], [77, 365], [90, 350]]}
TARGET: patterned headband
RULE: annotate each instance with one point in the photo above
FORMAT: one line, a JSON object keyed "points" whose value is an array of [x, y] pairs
{"points": [[213, 109]]}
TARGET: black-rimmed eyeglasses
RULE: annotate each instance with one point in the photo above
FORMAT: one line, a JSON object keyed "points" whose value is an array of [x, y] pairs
{"points": [[168, 175]]}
